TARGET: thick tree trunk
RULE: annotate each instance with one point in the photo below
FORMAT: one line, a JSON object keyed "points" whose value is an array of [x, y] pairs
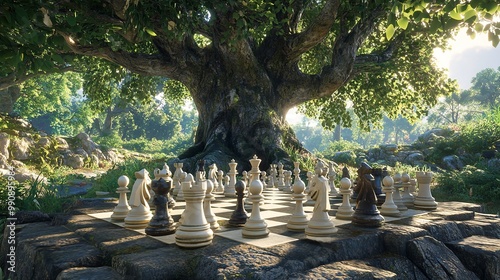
{"points": [[240, 117], [8, 97], [337, 133]]}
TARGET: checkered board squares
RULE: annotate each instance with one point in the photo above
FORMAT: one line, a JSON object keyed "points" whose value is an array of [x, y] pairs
{"points": [[276, 211]]}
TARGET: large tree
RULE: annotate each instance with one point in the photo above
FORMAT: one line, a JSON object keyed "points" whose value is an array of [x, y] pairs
{"points": [[246, 63]]}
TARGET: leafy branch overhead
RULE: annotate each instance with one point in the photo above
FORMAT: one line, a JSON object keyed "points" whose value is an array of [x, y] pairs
{"points": [[376, 54]]}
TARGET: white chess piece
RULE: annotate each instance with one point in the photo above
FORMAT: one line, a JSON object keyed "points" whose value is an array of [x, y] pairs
{"points": [[407, 197], [121, 210], [195, 230], [332, 175], [212, 175], [263, 179], [397, 194], [140, 214], [345, 211], [298, 220], [310, 180], [320, 225], [179, 171], [287, 188], [229, 191], [220, 180], [424, 199], [389, 208], [255, 227], [281, 176], [207, 206]]}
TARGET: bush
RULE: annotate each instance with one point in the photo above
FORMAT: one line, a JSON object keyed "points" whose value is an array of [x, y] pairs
{"points": [[470, 184]]}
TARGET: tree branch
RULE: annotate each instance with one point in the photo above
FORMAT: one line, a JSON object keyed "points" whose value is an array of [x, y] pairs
{"points": [[345, 51], [314, 33], [143, 64], [364, 61], [13, 79]]}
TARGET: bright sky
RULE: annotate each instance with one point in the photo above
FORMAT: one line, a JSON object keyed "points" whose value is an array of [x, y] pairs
{"points": [[464, 60]]}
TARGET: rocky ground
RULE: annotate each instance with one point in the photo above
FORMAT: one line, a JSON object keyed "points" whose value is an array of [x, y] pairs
{"points": [[453, 242]]}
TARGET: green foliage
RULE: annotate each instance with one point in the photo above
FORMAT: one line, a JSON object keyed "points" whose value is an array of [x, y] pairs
{"points": [[486, 87], [470, 184]]}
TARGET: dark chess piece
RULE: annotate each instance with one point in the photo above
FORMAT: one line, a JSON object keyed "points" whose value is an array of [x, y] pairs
{"points": [[240, 215], [161, 223], [366, 213], [377, 185]]}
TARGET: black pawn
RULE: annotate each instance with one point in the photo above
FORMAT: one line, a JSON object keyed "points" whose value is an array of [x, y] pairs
{"points": [[366, 213], [377, 185], [239, 216], [161, 223]]}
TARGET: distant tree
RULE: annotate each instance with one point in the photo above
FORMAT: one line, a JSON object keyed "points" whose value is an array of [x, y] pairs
{"points": [[486, 86]]}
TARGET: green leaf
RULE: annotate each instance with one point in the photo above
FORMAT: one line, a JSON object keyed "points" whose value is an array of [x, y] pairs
{"points": [[435, 25], [493, 38], [57, 58], [151, 32], [455, 15], [403, 22], [71, 20], [469, 14], [389, 32]]}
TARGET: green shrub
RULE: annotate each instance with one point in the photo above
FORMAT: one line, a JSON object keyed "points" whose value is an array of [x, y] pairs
{"points": [[470, 184]]}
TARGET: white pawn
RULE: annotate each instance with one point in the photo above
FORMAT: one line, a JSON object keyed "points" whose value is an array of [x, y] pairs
{"points": [[121, 210], [207, 206], [389, 208], [397, 195], [226, 182], [220, 179], [255, 227], [320, 225], [244, 177], [194, 231], [298, 220], [287, 188], [176, 183], [406, 197], [310, 179], [263, 179], [140, 214], [345, 211], [281, 177], [229, 191], [331, 179], [272, 176], [179, 171]]}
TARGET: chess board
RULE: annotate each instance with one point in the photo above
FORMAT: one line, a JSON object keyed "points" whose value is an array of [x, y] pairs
{"points": [[276, 210]]}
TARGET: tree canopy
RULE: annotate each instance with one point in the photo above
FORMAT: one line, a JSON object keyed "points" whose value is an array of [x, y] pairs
{"points": [[240, 59]]}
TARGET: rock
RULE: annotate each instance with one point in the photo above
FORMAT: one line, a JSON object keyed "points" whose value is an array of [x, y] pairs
{"points": [[44, 142], [16, 164], [111, 156], [3, 161], [4, 144], [346, 270], [74, 161], [444, 231], [81, 152], [480, 254], [434, 133], [400, 265], [94, 159], [25, 217], [22, 175], [389, 148], [87, 144], [452, 162], [435, 260], [100, 155], [89, 273], [21, 148], [415, 157], [61, 144], [5, 172]]}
